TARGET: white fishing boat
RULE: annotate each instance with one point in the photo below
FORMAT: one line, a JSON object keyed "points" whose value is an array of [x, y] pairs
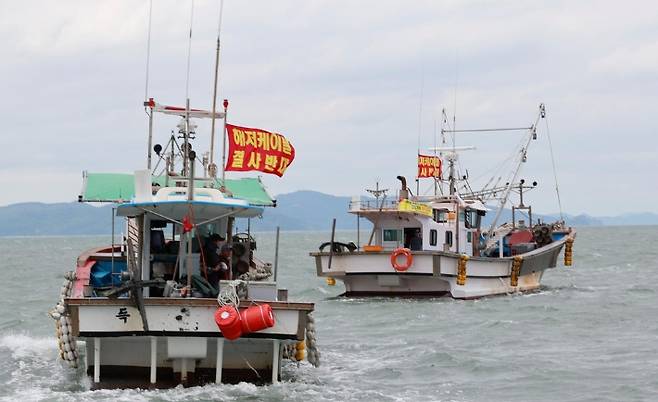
{"points": [[181, 298], [438, 244]]}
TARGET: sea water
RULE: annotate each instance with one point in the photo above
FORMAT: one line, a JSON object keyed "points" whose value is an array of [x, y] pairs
{"points": [[589, 334]]}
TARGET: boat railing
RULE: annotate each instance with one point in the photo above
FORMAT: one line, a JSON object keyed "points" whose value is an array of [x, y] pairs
{"points": [[371, 205]]}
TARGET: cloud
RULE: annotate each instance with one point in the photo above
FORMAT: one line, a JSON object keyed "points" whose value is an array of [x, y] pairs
{"points": [[343, 81]]}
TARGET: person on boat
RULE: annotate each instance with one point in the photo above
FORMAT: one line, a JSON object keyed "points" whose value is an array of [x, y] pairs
{"points": [[216, 261], [416, 241]]}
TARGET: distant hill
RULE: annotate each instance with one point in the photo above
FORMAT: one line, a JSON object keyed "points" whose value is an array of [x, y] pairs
{"points": [[35, 218], [307, 210], [300, 210]]}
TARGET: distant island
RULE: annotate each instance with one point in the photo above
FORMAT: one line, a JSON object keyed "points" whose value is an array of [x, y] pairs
{"points": [[300, 210]]}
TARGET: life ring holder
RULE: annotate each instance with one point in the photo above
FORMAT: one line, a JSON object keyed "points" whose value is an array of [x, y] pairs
{"points": [[409, 259]]}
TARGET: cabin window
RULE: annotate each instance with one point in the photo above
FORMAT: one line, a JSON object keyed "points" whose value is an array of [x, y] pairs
{"points": [[471, 220], [449, 238], [441, 215], [392, 235], [433, 237]]}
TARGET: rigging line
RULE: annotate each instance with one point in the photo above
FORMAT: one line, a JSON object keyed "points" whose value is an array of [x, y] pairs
{"points": [[503, 164], [557, 189], [189, 52], [148, 52]]}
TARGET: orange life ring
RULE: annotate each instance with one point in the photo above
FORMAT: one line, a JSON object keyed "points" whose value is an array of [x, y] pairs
{"points": [[409, 259]]}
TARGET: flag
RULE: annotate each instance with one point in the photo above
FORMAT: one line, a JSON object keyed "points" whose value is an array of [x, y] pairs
{"points": [[429, 166], [254, 149]]}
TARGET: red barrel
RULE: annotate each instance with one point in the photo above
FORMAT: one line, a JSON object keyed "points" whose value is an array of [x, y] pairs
{"points": [[257, 318], [229, 322]]}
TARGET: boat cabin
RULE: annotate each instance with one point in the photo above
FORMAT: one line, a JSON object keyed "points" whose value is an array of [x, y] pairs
{"points": [[448, 224], [169, 237]]}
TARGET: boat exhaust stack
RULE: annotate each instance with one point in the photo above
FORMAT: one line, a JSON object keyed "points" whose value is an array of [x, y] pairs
{"points": [[404, 192]]}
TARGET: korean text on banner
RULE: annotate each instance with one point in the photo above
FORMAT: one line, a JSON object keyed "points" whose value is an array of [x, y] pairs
{"points": [[254, 149], [429, 166]]}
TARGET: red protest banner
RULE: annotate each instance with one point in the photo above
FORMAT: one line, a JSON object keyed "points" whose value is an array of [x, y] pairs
{"points": [[254, 149], [429, 166]]}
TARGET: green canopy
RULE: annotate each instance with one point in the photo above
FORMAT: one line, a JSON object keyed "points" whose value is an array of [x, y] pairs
{"points": [[120, 187]]}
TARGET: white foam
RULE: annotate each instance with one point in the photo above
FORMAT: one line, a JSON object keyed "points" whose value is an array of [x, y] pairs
{"points": [[23, 345]]}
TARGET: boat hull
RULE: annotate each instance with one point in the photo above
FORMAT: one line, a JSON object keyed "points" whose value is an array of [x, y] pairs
{"points": [[435, 273], [182, 345]]}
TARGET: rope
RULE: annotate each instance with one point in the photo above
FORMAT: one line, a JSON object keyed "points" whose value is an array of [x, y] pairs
{"points": [[228, 296], [557, 189], [65, 339]]}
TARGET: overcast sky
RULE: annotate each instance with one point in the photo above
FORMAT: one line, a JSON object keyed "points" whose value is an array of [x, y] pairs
{"points": [[346, 82]]}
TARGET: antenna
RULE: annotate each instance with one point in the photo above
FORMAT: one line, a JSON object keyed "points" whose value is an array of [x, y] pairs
{"points": [[377, 192], [214, 93], [148, 52], [186, 147], [146, 88]]}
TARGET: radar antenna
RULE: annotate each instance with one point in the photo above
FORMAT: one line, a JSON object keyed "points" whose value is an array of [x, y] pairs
{"points": [[377, 192]]}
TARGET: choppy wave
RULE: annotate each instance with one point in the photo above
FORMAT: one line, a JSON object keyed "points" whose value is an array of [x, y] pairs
{"points": [[589, 333]]}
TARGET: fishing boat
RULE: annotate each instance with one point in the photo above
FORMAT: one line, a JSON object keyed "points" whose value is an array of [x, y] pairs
{"points": [[439, 244], [182, 297], [145, 307]]}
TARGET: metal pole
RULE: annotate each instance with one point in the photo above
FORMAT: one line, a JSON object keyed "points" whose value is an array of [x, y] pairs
{"points": [[224, 143], [190, 198], [358, 232], [150, 143], [475, 130], [112, 275], [186, 143], [276, 254], [276, 346], [154, 361], [229, 241], [220, 360], [457, 227], [214, 93], [331, 245], [97, 360]]}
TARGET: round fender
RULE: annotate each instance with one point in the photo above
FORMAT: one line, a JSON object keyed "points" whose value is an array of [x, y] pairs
{"points": [[409, 259]]}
